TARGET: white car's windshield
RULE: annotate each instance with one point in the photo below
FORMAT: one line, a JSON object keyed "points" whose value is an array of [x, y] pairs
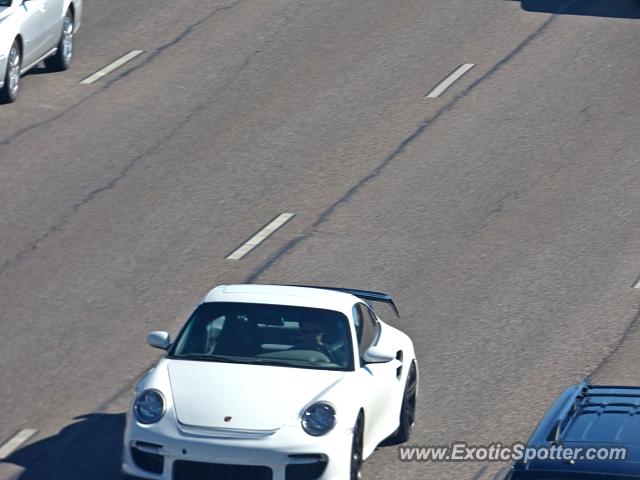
{"points": [[266, 334], [5, 3]]}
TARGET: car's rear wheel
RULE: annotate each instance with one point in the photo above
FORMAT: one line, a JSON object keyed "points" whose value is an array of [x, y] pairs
{"points": [[63, 56], [356, 448], [408, 408], [9, 91]]}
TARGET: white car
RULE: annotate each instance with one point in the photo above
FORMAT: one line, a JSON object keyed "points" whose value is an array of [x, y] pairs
{"points": [[32, 31], [270, 382]]}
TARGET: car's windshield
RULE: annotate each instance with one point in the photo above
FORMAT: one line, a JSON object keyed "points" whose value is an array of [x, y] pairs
{"points": [[266, 334], [5, 3]]}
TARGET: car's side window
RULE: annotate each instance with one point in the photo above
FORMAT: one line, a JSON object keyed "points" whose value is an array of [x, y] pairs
{"points": [[374, 324], [368, 327], [357, 322]]}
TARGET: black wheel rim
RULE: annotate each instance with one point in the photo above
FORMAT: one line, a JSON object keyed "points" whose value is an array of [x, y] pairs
{"points": [[409, 404], [356, 452]]}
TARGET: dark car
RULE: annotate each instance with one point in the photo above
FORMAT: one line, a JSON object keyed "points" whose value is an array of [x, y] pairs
{"points": [[587, 417]]}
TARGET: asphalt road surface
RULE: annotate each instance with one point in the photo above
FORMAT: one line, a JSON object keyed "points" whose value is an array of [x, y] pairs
{"points": [[502, 214]]}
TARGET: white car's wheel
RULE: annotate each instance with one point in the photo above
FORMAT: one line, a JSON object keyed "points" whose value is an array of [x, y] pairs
{"points": [[62, 59], [9, 91], [356, 448], [408, 408]]}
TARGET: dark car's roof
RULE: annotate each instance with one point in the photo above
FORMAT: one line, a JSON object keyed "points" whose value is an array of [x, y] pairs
{"points": [[606, 415], [588, 416]]}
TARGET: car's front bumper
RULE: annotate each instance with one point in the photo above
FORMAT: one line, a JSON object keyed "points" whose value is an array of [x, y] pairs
{"points": [[288, 445]]}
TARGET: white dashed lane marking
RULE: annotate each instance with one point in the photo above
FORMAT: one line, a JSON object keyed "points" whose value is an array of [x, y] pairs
{"points": [[14, 442], [450, 80], [112, 66], [261, 236]]}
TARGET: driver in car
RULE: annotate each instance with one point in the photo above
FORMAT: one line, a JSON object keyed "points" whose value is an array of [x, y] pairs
{"points": [[312, 338]]}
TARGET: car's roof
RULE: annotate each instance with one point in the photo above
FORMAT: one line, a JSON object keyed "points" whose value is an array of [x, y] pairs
{"points": [[606, 414], [283, 295], [586, 416], [593, 414]]}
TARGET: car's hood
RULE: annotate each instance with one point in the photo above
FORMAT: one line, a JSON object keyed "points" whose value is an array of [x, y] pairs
{"points": [[237, 396]]}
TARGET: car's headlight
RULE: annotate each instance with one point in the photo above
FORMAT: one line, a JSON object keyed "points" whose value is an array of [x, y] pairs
{"points": [[318, 419], [149, 406]]}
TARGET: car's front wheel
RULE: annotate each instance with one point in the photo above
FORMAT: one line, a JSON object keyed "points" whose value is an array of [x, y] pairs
{"points": [[356, 448], [63, 56], [9, 91]]}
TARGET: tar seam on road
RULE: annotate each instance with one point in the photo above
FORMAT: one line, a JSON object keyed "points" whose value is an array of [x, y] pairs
{"points": [[103, 72], [261, 236], [450, 80], [500, 205], [616, 346], [327, 212], [15, 442]]}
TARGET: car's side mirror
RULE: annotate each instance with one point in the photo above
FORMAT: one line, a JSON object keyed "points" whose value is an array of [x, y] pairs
{"points": [[160, 340], [378, 354]]}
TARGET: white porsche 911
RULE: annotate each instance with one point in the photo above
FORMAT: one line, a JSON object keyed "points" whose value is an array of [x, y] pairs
{"points": [[270, 382]]}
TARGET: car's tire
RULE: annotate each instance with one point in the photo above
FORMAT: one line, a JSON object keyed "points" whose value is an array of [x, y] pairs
{"points": [[9, 92], [408, 408], [356, 449], [63, 56]]}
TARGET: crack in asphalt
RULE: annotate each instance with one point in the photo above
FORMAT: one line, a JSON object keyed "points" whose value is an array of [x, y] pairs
{"points": [[422, 127], [613, 349], [501, 204], [64, 219]]}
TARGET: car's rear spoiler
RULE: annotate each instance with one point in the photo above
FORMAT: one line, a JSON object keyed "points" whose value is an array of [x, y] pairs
{"points": [[364, 294]]}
